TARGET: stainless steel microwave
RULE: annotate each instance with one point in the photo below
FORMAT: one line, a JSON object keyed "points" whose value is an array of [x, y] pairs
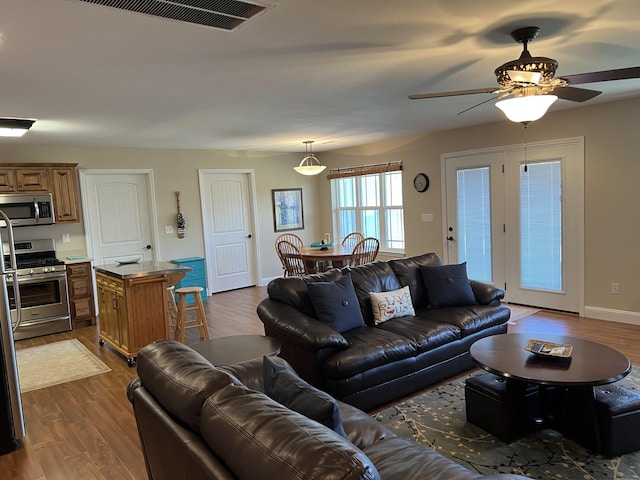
{"points": [[24, 209]]}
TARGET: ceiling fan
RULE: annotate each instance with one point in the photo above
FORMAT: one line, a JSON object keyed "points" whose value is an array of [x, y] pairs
{"points": [[530, 76]]}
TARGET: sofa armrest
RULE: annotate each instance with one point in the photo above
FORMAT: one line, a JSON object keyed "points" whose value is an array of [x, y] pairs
{"points": [[295, 327], [486, 293]]}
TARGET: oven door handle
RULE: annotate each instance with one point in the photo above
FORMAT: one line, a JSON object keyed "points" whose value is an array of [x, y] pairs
{"points": [[13, 264], [22, 279]]}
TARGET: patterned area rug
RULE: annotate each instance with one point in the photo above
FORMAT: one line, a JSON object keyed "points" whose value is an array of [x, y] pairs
{"points": [[437, 418], [55, 363]]}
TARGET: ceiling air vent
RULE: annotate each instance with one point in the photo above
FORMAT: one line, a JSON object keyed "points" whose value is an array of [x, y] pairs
{"points": [[222, 14]]}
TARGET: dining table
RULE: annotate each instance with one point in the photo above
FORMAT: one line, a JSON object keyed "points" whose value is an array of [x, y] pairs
{"points": [[337, 254]]}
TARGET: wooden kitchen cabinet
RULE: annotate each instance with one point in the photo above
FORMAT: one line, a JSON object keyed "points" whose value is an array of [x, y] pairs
{"points": [[32, 179], [59, 179], [7, 180], [64, 188], [80, 288], [132, 304]]}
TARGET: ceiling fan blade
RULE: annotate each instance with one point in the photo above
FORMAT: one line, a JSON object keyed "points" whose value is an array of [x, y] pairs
{"points": [[452, 94], [603, 76], [575, 94]]}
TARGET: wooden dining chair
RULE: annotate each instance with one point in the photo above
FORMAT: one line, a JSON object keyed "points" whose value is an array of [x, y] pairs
{"points": [[365, 251], [291, 258], [291, 238], [351, 240]]}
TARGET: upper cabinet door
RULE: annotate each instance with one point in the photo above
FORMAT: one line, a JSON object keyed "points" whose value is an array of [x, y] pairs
{"points": [[65, 195]]}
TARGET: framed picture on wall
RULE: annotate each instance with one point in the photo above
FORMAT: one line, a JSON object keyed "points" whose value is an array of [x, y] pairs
{"points": [[287, 209]]}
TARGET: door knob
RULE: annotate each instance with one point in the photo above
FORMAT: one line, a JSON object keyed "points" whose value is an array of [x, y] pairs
{"points": [[451, 239], [249, 236], [148, 247]]}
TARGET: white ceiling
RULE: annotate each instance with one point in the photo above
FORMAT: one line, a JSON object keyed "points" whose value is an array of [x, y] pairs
{"points": [[334, 71]]}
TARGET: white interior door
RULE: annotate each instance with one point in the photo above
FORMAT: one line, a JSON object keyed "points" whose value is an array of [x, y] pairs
{"points": [[228, 222], [119, 215], [519, 222]]}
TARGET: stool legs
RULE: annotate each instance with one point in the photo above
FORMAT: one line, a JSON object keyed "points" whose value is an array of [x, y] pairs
{"points": [[201, 320], [172, 310]]}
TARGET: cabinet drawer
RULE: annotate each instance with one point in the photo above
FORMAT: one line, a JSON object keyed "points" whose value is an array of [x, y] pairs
{"points": [[82, 307], [74, 269], [79, 287]]}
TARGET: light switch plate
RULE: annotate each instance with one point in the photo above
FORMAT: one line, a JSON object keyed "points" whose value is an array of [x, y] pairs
{"points": [[168, 229]]}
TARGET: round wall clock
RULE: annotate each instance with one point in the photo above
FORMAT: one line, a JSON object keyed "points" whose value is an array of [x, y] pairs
{"points": [[421, 182]]}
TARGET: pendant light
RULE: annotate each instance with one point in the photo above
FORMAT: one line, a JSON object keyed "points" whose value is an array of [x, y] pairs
{"points": [[309, 165]]}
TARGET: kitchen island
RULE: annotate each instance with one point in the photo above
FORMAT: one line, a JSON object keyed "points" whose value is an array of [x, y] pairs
{"points": [[132, 304]]}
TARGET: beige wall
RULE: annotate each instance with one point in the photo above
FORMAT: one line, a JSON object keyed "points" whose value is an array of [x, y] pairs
{"points": [[612, 172], [177, 170]]}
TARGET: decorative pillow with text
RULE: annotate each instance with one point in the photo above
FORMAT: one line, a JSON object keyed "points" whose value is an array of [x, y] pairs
{"points": [[388, 305]]}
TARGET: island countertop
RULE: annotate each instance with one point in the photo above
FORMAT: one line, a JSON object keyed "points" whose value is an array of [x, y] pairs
{"points": [[140, 269]]}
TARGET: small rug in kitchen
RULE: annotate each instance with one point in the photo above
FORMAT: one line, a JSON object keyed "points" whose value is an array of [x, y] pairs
{"points": [[437, 418], [55, 363]]}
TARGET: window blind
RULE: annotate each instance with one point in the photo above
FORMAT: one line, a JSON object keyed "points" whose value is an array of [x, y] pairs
{"points": [[364, 170]]}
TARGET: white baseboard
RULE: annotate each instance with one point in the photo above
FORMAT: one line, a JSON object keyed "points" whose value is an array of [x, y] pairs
{"points": [[612, 315]]}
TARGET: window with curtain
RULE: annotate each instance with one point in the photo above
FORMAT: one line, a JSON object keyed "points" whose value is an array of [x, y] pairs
{"points": [[368, 200]]}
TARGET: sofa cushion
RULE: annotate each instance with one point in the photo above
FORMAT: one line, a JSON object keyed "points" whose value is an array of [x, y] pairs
{"points": [[336, 304], [388, 305], [447, 285], [469, 319], [372, 277], [425, 334], [369, 347], [259, 438], [408, 274], [180, 379], [283, 385]]}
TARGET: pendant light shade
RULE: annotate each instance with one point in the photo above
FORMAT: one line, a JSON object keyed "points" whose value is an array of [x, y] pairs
{"points": [[527, 108], [309, 165]]}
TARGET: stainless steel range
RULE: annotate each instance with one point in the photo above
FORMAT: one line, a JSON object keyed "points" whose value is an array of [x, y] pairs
{"points": [[42, 280]]}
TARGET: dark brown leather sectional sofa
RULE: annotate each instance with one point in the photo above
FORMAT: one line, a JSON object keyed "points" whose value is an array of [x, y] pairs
{"points": [[200, 422], [375, 364]]}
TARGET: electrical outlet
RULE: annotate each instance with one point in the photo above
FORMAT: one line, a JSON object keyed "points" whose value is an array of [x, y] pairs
{"points": [[615, 288], [426, 217], [168, 229]]}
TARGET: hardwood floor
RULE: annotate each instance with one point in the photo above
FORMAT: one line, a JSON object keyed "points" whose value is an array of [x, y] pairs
{"points": [[86, 429]]}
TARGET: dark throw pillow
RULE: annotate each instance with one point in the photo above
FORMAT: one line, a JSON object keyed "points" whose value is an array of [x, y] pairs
{"points": [[336, 303], [285, 387], [447, 285]]}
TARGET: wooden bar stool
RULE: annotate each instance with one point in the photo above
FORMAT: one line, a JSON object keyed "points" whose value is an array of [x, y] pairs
{"points": [[172, 309], [199, 322]]}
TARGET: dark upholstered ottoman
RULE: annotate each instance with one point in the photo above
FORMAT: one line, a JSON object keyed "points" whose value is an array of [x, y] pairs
{"points": [[489, 407], [618, 419]]}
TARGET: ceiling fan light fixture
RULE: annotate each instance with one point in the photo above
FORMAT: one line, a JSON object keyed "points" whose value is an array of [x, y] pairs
{"points": [[545, 67], [309, 165], [524, 77], [526, 109]]}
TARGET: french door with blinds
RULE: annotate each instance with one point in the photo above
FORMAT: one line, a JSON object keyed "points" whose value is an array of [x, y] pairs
{"points": [[518, 222]]}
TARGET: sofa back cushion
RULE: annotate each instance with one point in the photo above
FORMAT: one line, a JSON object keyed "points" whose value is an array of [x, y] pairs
{"points": [[407, 270], [371, 277], [293, 291], [259, 438], [180, 379]]}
